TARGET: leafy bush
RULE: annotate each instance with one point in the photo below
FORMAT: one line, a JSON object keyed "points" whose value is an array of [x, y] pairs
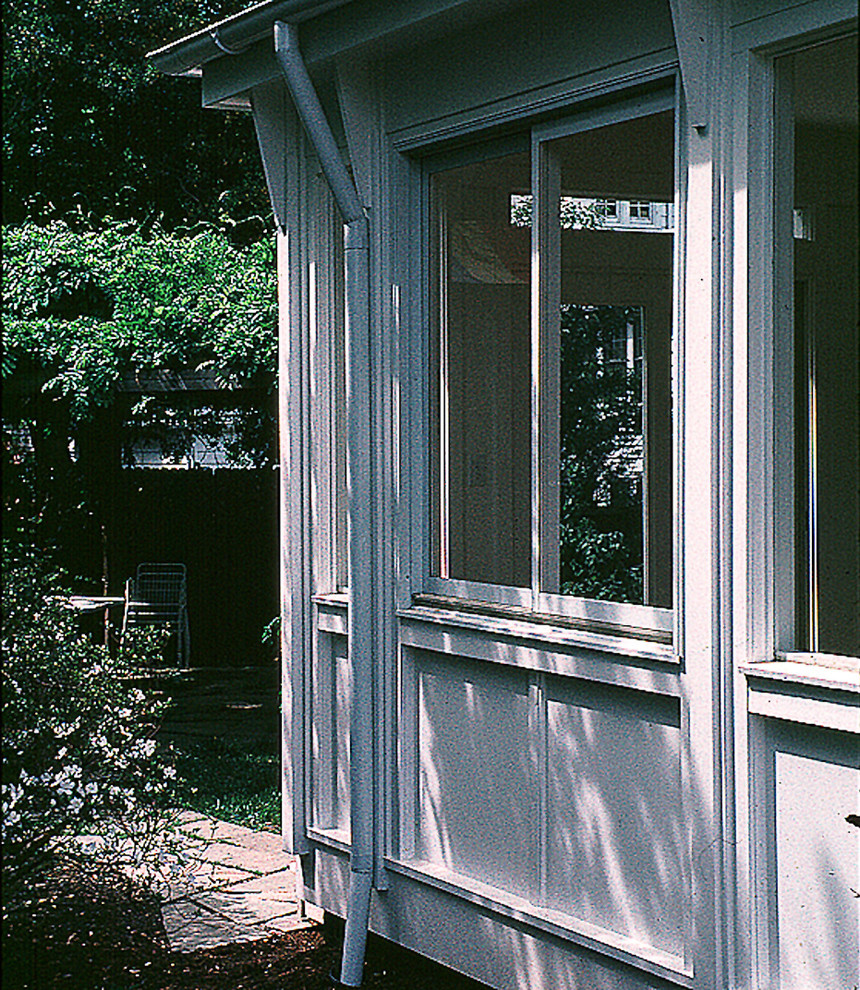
{"points": [[89, 305], [79, 751]]}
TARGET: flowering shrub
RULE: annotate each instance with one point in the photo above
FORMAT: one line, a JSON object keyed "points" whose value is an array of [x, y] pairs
{"points": [[82, 771]]}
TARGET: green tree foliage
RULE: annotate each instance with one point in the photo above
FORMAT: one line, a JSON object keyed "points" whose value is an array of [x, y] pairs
{"points": [[88, 306], [116, 185], [87, 122]]}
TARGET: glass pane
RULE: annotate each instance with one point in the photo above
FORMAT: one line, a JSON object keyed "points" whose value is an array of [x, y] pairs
{"points": [[827, 357], [481, 461], [615, 190]]}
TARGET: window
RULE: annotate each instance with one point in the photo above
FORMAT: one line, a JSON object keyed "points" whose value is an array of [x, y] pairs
{"points": [[817, 356], [551, 354], [482, 343], [328, 419]]}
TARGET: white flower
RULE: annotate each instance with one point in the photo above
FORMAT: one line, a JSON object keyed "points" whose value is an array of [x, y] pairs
{"points": [[75, 805], [143, 748], [64, 783]]}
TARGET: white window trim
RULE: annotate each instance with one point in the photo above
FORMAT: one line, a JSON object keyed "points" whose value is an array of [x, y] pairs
{"points": [[661, 621], [325, 308], [777, 88], [763, 605]]}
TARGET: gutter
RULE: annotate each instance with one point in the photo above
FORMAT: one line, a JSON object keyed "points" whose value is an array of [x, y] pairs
{"points": [[234, 34], [359, 490]]}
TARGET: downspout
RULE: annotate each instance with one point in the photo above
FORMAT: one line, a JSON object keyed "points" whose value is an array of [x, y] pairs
{"points": [[357, 243]]}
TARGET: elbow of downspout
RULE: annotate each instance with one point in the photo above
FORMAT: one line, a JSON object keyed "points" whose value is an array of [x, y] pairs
{"points": [[312, 115]]}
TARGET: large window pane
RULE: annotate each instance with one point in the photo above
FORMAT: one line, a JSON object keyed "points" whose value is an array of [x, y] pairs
{"points": [[481, 426], [610, 192], [827, 358]]}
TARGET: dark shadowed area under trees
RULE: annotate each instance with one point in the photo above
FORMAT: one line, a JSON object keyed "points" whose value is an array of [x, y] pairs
{"points": [[138, 297]]}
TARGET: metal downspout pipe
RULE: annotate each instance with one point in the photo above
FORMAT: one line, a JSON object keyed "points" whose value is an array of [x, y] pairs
{"points": [[357, 291]]}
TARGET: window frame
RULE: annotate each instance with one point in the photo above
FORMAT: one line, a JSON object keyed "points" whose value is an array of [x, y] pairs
{"points": [[790, 578], [647, 620], [325, 294]]}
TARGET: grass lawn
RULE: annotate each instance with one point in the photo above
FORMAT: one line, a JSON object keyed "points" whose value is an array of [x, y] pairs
{"points": [[235, 782]]}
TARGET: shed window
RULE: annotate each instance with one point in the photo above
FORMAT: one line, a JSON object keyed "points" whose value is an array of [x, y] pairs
{"points": [[551, 465], [818, 413]]}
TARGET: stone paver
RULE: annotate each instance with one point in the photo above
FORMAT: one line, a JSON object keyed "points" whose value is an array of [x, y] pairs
{"points": [[248, 908], [239, 887], [196, 877], [241, 858], [208, 829], [190, 927]]}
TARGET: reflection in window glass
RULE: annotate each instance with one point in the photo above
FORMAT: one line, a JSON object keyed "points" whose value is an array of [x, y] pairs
{"points": [[601, 452], [580, 488], [482, 411], [614, 297], [827, 357]]}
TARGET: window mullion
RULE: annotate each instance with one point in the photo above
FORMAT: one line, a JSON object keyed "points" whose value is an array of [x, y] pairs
{"points": [[784, 521], [546, 299]]}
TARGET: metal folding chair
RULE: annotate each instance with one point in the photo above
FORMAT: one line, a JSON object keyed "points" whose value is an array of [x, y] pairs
{"points": [[157, 596]]}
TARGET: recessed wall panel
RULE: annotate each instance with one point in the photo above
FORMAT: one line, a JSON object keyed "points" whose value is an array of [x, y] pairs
{"points": [[342, 677], [332, 690], [814, 788], [615, 832], [477, 790]]}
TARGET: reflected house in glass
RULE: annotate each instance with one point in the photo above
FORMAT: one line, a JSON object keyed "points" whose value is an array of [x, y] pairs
{"points": [[570, 458]]}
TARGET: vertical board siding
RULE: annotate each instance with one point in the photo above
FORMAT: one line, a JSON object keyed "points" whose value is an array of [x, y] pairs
{"points": [[223, 526]]}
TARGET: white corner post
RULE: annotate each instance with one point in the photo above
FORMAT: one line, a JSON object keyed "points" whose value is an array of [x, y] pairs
{"points": [[359, 487]]}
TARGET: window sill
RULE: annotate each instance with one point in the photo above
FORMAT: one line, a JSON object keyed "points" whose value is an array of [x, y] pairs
{"points": [[332, 613], [555, 649], [811, 693], [336, 599], [535, 620], [333, 838], [811, 669]]}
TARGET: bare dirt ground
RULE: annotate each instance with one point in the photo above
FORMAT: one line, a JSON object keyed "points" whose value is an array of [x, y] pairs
{"points": [[91, 931]]}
